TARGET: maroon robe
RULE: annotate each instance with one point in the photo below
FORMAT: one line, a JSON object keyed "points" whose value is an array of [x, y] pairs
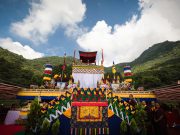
{"points": [[161, 125]]}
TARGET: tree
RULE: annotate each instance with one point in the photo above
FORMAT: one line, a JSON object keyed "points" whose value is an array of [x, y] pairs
{"points": [[123, 127], [34, 120], [133, 126], [36, 79], [147, 80], [151, 81], [139, 120], [55, 127], [45, 127]]}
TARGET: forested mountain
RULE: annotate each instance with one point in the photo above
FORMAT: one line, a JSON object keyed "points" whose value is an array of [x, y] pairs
{"points": [[20, 71], [155, 56], [158, 65]]}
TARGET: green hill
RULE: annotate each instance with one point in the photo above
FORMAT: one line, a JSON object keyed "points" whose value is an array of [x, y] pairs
{"points": [[156, 55], [158, 65], [20, 71], [11, 68], [37, 65], [156, 51]]}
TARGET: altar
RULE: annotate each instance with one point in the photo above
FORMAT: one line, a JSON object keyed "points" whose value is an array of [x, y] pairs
{"points": [[87, 74], [89, 112]]}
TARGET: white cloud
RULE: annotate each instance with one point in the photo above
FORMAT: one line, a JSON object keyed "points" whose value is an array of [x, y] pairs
{"points": [[46, 16], [16, 47], [159, 21]]}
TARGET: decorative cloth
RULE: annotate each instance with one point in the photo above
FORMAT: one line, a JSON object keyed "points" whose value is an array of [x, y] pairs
{"points": [[87, 76]]}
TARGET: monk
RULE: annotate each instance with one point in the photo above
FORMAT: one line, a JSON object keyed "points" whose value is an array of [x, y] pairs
{"points": [[132, 101], [160, 121]]}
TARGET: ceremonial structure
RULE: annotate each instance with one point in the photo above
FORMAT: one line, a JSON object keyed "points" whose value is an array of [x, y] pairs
{"points": [[89, 103]]}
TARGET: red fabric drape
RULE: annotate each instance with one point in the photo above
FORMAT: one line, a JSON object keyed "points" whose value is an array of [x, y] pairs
{"points": [[89, 103]]}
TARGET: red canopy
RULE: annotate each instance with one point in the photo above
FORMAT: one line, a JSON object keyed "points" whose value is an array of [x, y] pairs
{"points": [[88, 57]]}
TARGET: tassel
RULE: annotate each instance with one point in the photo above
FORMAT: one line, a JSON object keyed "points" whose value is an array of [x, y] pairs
{"points": [[75, 131], [107, 130], [85, 130], [80, 131], [89, 131], [71, 131], [95, 131], [99, 131], [127, 117]]}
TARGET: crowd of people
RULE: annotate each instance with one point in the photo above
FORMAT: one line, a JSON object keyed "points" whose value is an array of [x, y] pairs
{"points": [[160, 117]]}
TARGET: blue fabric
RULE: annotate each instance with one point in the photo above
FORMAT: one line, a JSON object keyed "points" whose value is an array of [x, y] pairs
{"points": [[142, 99], [53, 97], [114, 125], [64, 125], [64, 129], [48, 66], [32, 97], [127, 68]]}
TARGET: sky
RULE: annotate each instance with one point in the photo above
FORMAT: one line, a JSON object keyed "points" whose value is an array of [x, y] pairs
{"points": [[122, 28]]}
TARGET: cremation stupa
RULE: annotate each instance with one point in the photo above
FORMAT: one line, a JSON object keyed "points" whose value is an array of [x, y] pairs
{"points": [[89, 104]]}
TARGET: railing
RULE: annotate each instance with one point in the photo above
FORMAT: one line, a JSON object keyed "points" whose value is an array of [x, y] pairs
{"points": [[135, 92], [43, 90]]}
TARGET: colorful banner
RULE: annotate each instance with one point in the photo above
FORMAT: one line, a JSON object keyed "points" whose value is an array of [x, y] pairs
{"points": [[47, 68], [127, 71], [127, 68], [128, 74], [47, 72]]}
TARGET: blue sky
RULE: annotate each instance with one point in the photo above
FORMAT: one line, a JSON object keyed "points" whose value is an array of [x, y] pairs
{"points": [[122, 28]]}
